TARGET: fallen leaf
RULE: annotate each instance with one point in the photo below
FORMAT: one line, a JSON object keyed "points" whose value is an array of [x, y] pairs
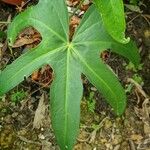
{"points": [[28, 36], [35, 75], [74, 22], [13, 2], [40, 113]]}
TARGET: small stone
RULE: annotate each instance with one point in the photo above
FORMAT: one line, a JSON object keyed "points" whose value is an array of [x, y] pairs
{"points": [[15, 114], [93, 89], [42, 129], [41, 136]]}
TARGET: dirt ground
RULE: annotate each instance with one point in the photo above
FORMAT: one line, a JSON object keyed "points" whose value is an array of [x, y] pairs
{"points": [[100, 129]]}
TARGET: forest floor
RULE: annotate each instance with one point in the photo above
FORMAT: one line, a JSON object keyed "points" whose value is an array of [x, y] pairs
{"points": [[24, 112]]}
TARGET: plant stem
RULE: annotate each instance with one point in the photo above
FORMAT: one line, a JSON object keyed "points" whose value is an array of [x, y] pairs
{"points": [[81, 2]]}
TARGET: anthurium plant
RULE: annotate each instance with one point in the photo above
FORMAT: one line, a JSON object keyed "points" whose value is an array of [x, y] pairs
{"points": [[69, 59]]}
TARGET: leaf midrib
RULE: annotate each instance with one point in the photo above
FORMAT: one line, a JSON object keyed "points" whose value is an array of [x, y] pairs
{"points": [[61, 22], [80, 33], [66, 97], [43, 25], [84, 62], [91, 42], [82, 26], [43, 55]]}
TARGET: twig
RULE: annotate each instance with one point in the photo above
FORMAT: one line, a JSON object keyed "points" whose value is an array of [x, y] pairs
{"points": [[92, 135], [138, 86], [145, 17], [28, 141], [4, 22], [11, 52], [23, 4], [134, 18], [83, 140], [132, 146]]}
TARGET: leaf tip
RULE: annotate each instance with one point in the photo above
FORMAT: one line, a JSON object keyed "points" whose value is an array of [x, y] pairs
{"points": [[125, 40]]}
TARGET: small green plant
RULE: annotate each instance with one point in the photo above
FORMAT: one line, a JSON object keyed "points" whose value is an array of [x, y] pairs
{"points": [[136, 77], [69, 59], [17, 96], [128, 88], [134, 2], [91, 102], [132, 67]]}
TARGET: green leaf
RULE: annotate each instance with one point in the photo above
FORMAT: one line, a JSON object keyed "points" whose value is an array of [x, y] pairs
{"points": [[88, 46], [112, 13], [66, 93], [68, 60]]}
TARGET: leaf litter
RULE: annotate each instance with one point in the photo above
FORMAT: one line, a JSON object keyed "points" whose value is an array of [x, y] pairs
{"points": [[40, 113]]}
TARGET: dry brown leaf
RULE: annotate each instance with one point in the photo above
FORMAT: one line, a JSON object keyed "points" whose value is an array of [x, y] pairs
{"points": [[144, 114], [74, 22], [40, 113], [13, 2], [35, 75], [28, 36], [84, 7], [74, 2], [23, 41]]}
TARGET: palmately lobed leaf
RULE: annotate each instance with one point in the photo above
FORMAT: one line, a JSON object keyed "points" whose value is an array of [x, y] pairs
{"points": [[68, 60]]}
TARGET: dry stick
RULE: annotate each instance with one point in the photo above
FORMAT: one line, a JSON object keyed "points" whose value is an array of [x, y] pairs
{"points": [[134, 18], [77, 8], [145, 17], [138, 86], [4, 22], [26, 3], [91, 138], [28, 141], [142, 15], [22, 5], [42, 86], [131, 143], [7, 22]]}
